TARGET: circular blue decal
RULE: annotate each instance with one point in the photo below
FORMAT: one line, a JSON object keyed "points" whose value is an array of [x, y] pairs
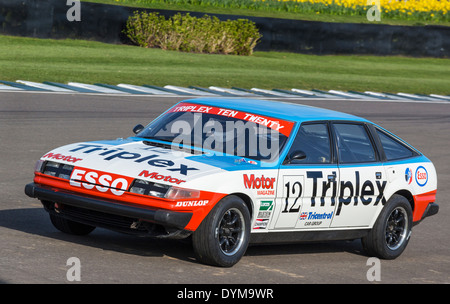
{"points": [[408, 175], [421, 176]]}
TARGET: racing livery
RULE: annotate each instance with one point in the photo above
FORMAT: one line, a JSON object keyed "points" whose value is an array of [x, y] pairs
{"points": [[230, 172]]}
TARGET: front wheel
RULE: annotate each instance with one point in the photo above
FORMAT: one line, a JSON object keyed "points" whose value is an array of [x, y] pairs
{"points": [[390, 234], [222, 238]]}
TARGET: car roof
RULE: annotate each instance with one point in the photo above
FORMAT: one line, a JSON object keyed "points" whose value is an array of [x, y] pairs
{"points": [[277, 109]]}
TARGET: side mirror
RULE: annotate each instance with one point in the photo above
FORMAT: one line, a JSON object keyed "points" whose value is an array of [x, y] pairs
{"points": [[299, 155], [138, 128]]}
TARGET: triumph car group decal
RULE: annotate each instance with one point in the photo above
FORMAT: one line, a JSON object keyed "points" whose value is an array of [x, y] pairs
{"points": [[408, 176]]}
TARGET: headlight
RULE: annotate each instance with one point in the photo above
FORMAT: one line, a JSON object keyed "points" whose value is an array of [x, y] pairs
{"points": [[148, 188], [163, 191], [54, 169], [176, 193], [38, 165]]}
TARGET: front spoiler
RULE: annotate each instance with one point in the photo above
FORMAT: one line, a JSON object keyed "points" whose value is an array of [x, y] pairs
{"points": [[162, 217]]}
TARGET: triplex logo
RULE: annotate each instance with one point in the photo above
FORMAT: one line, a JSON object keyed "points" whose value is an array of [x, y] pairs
{"points": [[351, 192], [112, 153]]}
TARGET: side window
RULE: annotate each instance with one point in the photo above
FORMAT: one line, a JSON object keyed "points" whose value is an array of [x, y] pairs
{"points": [[393, 148], [354, 145], [314, 141]]}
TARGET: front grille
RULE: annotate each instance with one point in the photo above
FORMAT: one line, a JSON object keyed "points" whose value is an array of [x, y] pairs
{"points": [[101, 219], [110, 220]]}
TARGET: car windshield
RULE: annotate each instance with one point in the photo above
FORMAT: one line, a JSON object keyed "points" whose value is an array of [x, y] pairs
{"points": [[220, 131]]}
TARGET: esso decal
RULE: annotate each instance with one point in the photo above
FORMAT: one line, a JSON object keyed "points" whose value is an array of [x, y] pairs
{"points": [[421, 176], [99, 181]]}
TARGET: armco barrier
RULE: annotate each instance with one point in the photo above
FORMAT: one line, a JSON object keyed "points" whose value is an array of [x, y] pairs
{"points": [[47, 19]]}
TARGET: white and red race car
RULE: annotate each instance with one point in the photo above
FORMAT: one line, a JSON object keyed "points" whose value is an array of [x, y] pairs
{"points": [[231, 172]]}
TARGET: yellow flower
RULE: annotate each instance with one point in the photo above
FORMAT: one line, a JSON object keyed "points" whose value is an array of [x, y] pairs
{"points": [[406, 7]]}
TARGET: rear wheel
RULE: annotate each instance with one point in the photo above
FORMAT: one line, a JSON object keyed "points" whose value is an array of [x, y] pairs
{"points": [[222, 238], [390, 234], [70, 227]]}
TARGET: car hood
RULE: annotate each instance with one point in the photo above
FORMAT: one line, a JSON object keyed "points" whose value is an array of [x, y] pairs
{"points": [[146, 159]]}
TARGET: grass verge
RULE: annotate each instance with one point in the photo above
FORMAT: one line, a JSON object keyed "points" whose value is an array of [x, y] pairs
{"points": [[90, 62]]}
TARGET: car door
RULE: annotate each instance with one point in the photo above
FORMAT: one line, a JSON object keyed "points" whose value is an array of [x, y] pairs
{"points": [[307, 180], [362, 176]]}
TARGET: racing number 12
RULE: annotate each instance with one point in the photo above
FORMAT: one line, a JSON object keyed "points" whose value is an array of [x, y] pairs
{"points": [[288, 191]]}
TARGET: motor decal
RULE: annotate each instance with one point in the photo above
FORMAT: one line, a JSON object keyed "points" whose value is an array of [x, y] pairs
{"points": [[59, 156]]}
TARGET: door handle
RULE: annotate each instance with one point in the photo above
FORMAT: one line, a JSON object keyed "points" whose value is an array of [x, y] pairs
{"points": [[331, 177], [378, 175]]}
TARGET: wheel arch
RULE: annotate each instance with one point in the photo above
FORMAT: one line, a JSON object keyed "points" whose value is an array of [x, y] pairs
{"points": [[247, 200], [408, 195]]}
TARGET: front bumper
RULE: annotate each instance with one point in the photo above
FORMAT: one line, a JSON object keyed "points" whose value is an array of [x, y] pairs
{"points": [[165, 218]]}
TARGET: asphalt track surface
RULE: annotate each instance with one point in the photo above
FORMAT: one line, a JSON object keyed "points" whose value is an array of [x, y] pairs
{"points": [[33, 251]]}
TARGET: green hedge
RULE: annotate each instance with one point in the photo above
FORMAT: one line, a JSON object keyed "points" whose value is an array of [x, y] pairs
{"points": [[191, 34]]}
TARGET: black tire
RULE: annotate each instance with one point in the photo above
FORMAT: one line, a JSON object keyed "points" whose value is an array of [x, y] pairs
{"points": [[222, 238], [70, 227], [390, 234]]}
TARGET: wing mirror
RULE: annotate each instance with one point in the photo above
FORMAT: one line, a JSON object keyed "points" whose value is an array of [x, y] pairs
{"points": [[138, 128], [296, 155]]}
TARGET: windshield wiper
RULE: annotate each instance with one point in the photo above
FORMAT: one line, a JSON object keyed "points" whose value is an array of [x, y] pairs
{"points": [[162, 138], [169, 145]]}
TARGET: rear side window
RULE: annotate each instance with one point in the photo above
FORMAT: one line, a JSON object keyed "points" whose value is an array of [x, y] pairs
{"points": [[393, 148], [354, 144]]}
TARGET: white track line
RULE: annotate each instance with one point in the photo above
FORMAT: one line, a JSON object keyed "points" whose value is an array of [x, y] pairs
{"points": [[45, 86], [95, 88]]}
